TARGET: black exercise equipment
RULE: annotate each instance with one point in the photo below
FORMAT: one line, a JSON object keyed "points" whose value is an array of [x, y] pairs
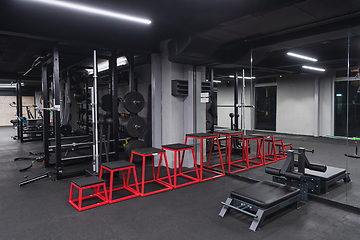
{"points": [[39, 157], [66, 130], [78, 76], [105, 137], [232, 115], [105, 102], [209, 104], [27, 181], [132, 145], [209, 121], [318, 177], [353, 155], [263, 198], [79, 95], [133, 102], [134, 126]]}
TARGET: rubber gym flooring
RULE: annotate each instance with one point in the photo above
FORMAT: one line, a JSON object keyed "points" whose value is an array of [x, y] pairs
{"points": [[41, 210]]}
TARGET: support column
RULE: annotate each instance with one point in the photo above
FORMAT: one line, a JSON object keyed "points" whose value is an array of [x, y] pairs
{"points": [[200, 111], [46, 114], [132, 85], [156, 82], [188, 117], [115, 102], [19, 109], [57, 122]]}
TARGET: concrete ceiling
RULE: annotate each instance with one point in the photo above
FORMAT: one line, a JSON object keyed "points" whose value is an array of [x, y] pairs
{"points": [[216, 33]]}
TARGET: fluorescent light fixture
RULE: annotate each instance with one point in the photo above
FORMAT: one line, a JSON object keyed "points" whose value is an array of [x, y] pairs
{"points": [[216, 81], [314, 68], [301, 56], [95, 10], [9, 85], [120, 61], [339, 95], [232, 76]]}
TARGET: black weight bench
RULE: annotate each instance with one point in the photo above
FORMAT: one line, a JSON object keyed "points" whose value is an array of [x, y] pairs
{"points": [[264, 198], [318, 177]]}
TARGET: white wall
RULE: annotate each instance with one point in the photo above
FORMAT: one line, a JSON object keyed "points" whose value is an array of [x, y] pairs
{"points": [[326, 100], [295, 112]]}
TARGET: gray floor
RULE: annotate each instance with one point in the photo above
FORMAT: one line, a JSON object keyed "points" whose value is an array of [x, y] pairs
{"points": [[41, 211]]}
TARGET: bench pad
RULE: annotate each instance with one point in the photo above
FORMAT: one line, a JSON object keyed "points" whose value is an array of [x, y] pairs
{"points": [[265, 194]]}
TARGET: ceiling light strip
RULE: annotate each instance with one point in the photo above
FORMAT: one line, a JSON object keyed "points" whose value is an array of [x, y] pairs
{"points": [[232, 76], [301, 56], [95, 10], [314, 68]]}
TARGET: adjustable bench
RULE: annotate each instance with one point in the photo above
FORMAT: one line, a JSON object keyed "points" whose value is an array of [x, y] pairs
{"points": [[264, 198]]}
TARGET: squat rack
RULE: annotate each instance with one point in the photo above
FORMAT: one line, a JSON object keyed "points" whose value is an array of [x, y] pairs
{"points": [[113, 85]]}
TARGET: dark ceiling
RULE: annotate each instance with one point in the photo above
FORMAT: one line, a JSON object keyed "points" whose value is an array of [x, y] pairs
{"points": [[217, 33]]}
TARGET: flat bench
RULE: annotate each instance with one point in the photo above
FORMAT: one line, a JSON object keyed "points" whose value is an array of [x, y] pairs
{"points": [[261, 199]]}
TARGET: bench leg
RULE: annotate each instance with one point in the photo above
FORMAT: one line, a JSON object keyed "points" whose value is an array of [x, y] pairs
{"points": [[225, 208], [259, 218], [347, 178], [297, 204]]}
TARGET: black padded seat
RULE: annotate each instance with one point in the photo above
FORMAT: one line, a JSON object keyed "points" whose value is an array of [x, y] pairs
{"points": [[146, 151], [177, 146], [265, 194], [230, 132], [117, 164], [87, 181], [331, 172], [201, 135]]}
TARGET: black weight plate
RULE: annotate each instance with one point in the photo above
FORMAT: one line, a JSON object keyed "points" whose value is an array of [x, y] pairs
{"points": [[134, 102], [105, 102], [132, 145], [65, 130], [134, 126], [209, 121], [79, 76], [79, 95], [208, 104]]}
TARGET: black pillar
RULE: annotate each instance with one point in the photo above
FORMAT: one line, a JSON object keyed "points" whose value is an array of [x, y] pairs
{"points": [[57, 123], [46, 114], [86, 90], [132, 85], [115, 102], [19, 109]]}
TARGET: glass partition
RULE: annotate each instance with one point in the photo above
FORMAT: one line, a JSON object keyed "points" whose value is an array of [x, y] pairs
{"points": [[318, 111], [353, 117]]}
